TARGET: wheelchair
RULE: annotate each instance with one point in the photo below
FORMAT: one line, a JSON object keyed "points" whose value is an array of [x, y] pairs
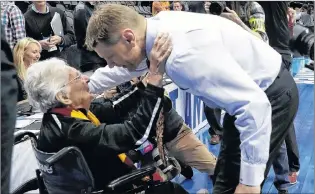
{"points": [[67, 172]]}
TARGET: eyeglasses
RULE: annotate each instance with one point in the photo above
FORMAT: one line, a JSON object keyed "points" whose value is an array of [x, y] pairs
{"points": [[74, 79]]}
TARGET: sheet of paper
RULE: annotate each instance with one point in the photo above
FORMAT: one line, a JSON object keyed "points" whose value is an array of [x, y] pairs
{"points": [[37, 116], [23, 123], [57, 27], [36, 132]]}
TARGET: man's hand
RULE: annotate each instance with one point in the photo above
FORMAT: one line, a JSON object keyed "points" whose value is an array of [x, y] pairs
{"points": [[46, 45], [55, 40], [231, 15], [247, 189]]}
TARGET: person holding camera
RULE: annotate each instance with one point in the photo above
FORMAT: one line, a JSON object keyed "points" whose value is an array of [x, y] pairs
{"points": [[277, 28]]}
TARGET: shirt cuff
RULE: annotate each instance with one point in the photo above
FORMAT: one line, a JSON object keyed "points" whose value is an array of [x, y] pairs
{"points": [[252, 174], [62, 41]]}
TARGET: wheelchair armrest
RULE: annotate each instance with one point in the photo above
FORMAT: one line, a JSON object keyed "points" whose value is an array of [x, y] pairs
{"points": [[56, 157], [131, 177], [19, 135]]}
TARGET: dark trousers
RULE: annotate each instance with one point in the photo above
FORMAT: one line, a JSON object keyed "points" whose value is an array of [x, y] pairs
{"points": [[281, 167], [290, 140], [284, 99], [292, 150], [215, 128]]}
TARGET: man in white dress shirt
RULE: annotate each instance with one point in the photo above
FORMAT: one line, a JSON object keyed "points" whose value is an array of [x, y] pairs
{"points": [[217, 60]]}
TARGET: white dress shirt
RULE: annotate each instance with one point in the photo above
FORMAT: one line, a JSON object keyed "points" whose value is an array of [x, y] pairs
{"points": [[226, 66]]}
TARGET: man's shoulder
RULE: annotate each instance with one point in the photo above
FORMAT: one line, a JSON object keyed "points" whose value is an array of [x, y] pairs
{"points": [[56, 9], [29, 13]]}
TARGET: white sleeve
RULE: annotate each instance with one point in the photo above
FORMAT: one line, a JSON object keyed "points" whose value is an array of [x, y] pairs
{"points": [[211, 73], [105, 78]]}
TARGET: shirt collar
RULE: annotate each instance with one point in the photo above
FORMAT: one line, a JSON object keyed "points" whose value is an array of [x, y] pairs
{"points": [[36, 10], [151, 34]]}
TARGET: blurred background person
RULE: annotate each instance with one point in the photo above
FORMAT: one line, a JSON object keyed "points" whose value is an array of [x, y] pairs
{"points": [[8, 110], [13, 22], [38, 26], [307, 17], [197, 6], [277, 29], [291, 19], [26, 52], [89, 59], [178, 6], [207, 6], [158, 6]]}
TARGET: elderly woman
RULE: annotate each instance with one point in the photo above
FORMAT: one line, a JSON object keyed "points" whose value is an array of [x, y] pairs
{"points": [[25, 53], [62, 93]]}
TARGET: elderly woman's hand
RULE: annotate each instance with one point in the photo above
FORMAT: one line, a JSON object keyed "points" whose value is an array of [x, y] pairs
{"points": [[110, 93], [162, 48], [134, 81]]}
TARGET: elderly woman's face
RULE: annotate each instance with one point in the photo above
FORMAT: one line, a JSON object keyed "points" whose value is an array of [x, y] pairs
{"points": [[31, 54], [79, 94]]}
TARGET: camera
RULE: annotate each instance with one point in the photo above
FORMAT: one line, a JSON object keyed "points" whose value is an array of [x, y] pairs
{"points": [[217, 7], [302, 41]]}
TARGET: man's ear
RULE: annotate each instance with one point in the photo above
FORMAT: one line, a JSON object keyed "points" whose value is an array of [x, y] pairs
{"points": [[129, 36], [63, 98]]}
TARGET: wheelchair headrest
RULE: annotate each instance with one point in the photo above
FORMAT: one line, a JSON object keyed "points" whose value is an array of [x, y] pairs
{"points": [[65, 171]]}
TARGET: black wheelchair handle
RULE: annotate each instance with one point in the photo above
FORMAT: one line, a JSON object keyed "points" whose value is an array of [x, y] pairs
{"points": [[56, 157], [131, 177]]}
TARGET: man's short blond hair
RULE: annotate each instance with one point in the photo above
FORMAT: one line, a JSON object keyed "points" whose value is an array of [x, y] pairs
{"points": [[106, 22]]}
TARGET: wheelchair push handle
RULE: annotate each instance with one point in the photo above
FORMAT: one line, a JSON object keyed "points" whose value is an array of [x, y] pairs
{"points": [[131, 177], [56, 157]]}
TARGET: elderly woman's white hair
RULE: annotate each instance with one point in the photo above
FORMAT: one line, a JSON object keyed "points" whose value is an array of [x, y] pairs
{"points": [[44, 80]]}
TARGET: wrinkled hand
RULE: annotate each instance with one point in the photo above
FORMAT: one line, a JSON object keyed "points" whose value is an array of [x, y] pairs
{"points": [[144, 79], [162, 48], [55, 40], [231, 15], [46, 45], [241, 189], [134, 81], [110, 93]]}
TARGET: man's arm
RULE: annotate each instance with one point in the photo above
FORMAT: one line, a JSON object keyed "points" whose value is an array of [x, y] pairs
{"points": [[68, 38], [127, 135], [220, 80], [8, 110], [105, 78], [18, 24], [80, 24]]}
